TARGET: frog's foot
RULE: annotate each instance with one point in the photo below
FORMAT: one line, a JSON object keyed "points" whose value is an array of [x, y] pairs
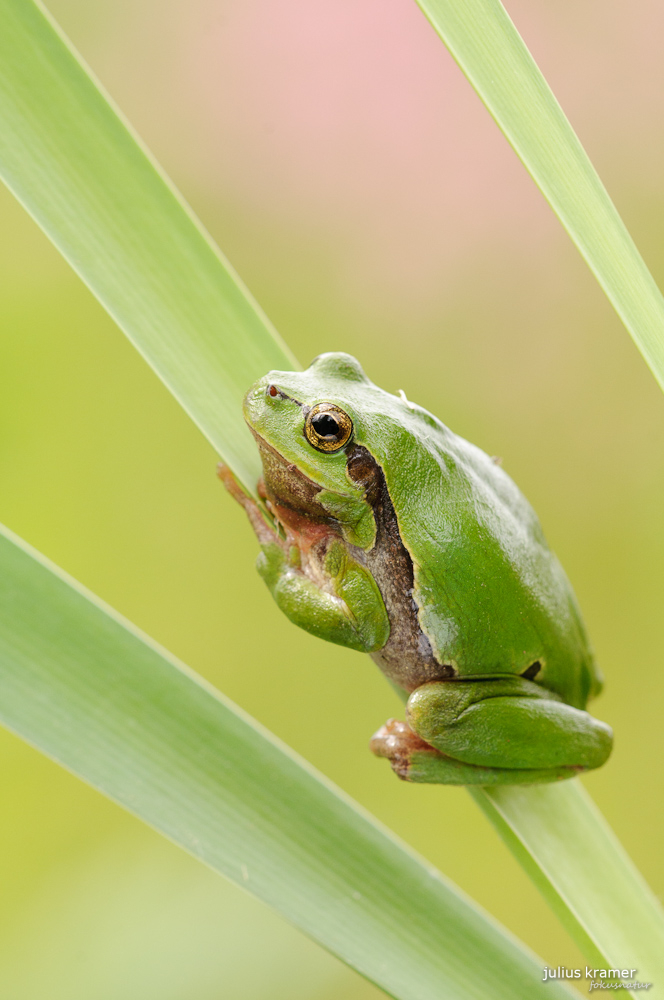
{"points": [[258, 518], [397, 741]]}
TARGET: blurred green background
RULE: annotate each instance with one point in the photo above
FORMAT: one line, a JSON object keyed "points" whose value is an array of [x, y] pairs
{"points": [[343, 164]]}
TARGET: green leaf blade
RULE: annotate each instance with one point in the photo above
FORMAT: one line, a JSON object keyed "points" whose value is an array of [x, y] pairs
{"points": [[575, 859], [489, 50], [82, 174], [86, 688]]}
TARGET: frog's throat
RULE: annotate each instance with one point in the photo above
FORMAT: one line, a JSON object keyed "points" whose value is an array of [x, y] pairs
{"points": [[407, 658], [287, 487]]}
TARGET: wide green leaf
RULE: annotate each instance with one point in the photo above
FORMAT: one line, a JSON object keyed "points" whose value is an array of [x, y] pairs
{"points": [[89, 690], [80, 171], [488, 48]]}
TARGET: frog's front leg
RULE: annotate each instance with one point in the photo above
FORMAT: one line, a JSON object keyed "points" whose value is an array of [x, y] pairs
{"points": [[325, 591], [313, 577], [503, 730]]}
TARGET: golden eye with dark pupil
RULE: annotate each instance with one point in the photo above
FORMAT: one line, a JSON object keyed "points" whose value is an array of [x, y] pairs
{"points": [[327, 427]]}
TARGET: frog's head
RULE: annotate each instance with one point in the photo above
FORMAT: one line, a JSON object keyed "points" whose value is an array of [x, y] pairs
{"points": [[307, 425]]}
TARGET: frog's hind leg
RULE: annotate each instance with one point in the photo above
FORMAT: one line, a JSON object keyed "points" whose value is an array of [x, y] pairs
{"points": [[508, 723], [413, 759]]}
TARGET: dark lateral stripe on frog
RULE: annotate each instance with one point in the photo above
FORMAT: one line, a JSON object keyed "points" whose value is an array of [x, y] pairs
{"points": [[407, 658]]}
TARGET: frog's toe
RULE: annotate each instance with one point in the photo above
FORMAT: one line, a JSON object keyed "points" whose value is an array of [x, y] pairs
{"points": [[397, 741], [415, 760]]}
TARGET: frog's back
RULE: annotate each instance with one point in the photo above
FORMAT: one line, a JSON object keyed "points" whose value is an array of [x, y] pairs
{"points": [[492, 597]]}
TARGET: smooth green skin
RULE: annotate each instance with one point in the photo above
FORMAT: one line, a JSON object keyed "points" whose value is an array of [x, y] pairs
{"points": [[492, 598]]}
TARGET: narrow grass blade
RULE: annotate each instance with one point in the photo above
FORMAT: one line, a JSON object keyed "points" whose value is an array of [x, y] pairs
{"points": [[490, 51], [86, 688], [83, 175], [565, 845]]}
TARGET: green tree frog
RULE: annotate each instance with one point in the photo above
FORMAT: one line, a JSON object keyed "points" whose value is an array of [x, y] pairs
{"points": [[382, 530]]}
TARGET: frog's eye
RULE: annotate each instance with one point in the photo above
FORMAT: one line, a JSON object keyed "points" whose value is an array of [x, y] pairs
{"points": [[327, 427]]}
